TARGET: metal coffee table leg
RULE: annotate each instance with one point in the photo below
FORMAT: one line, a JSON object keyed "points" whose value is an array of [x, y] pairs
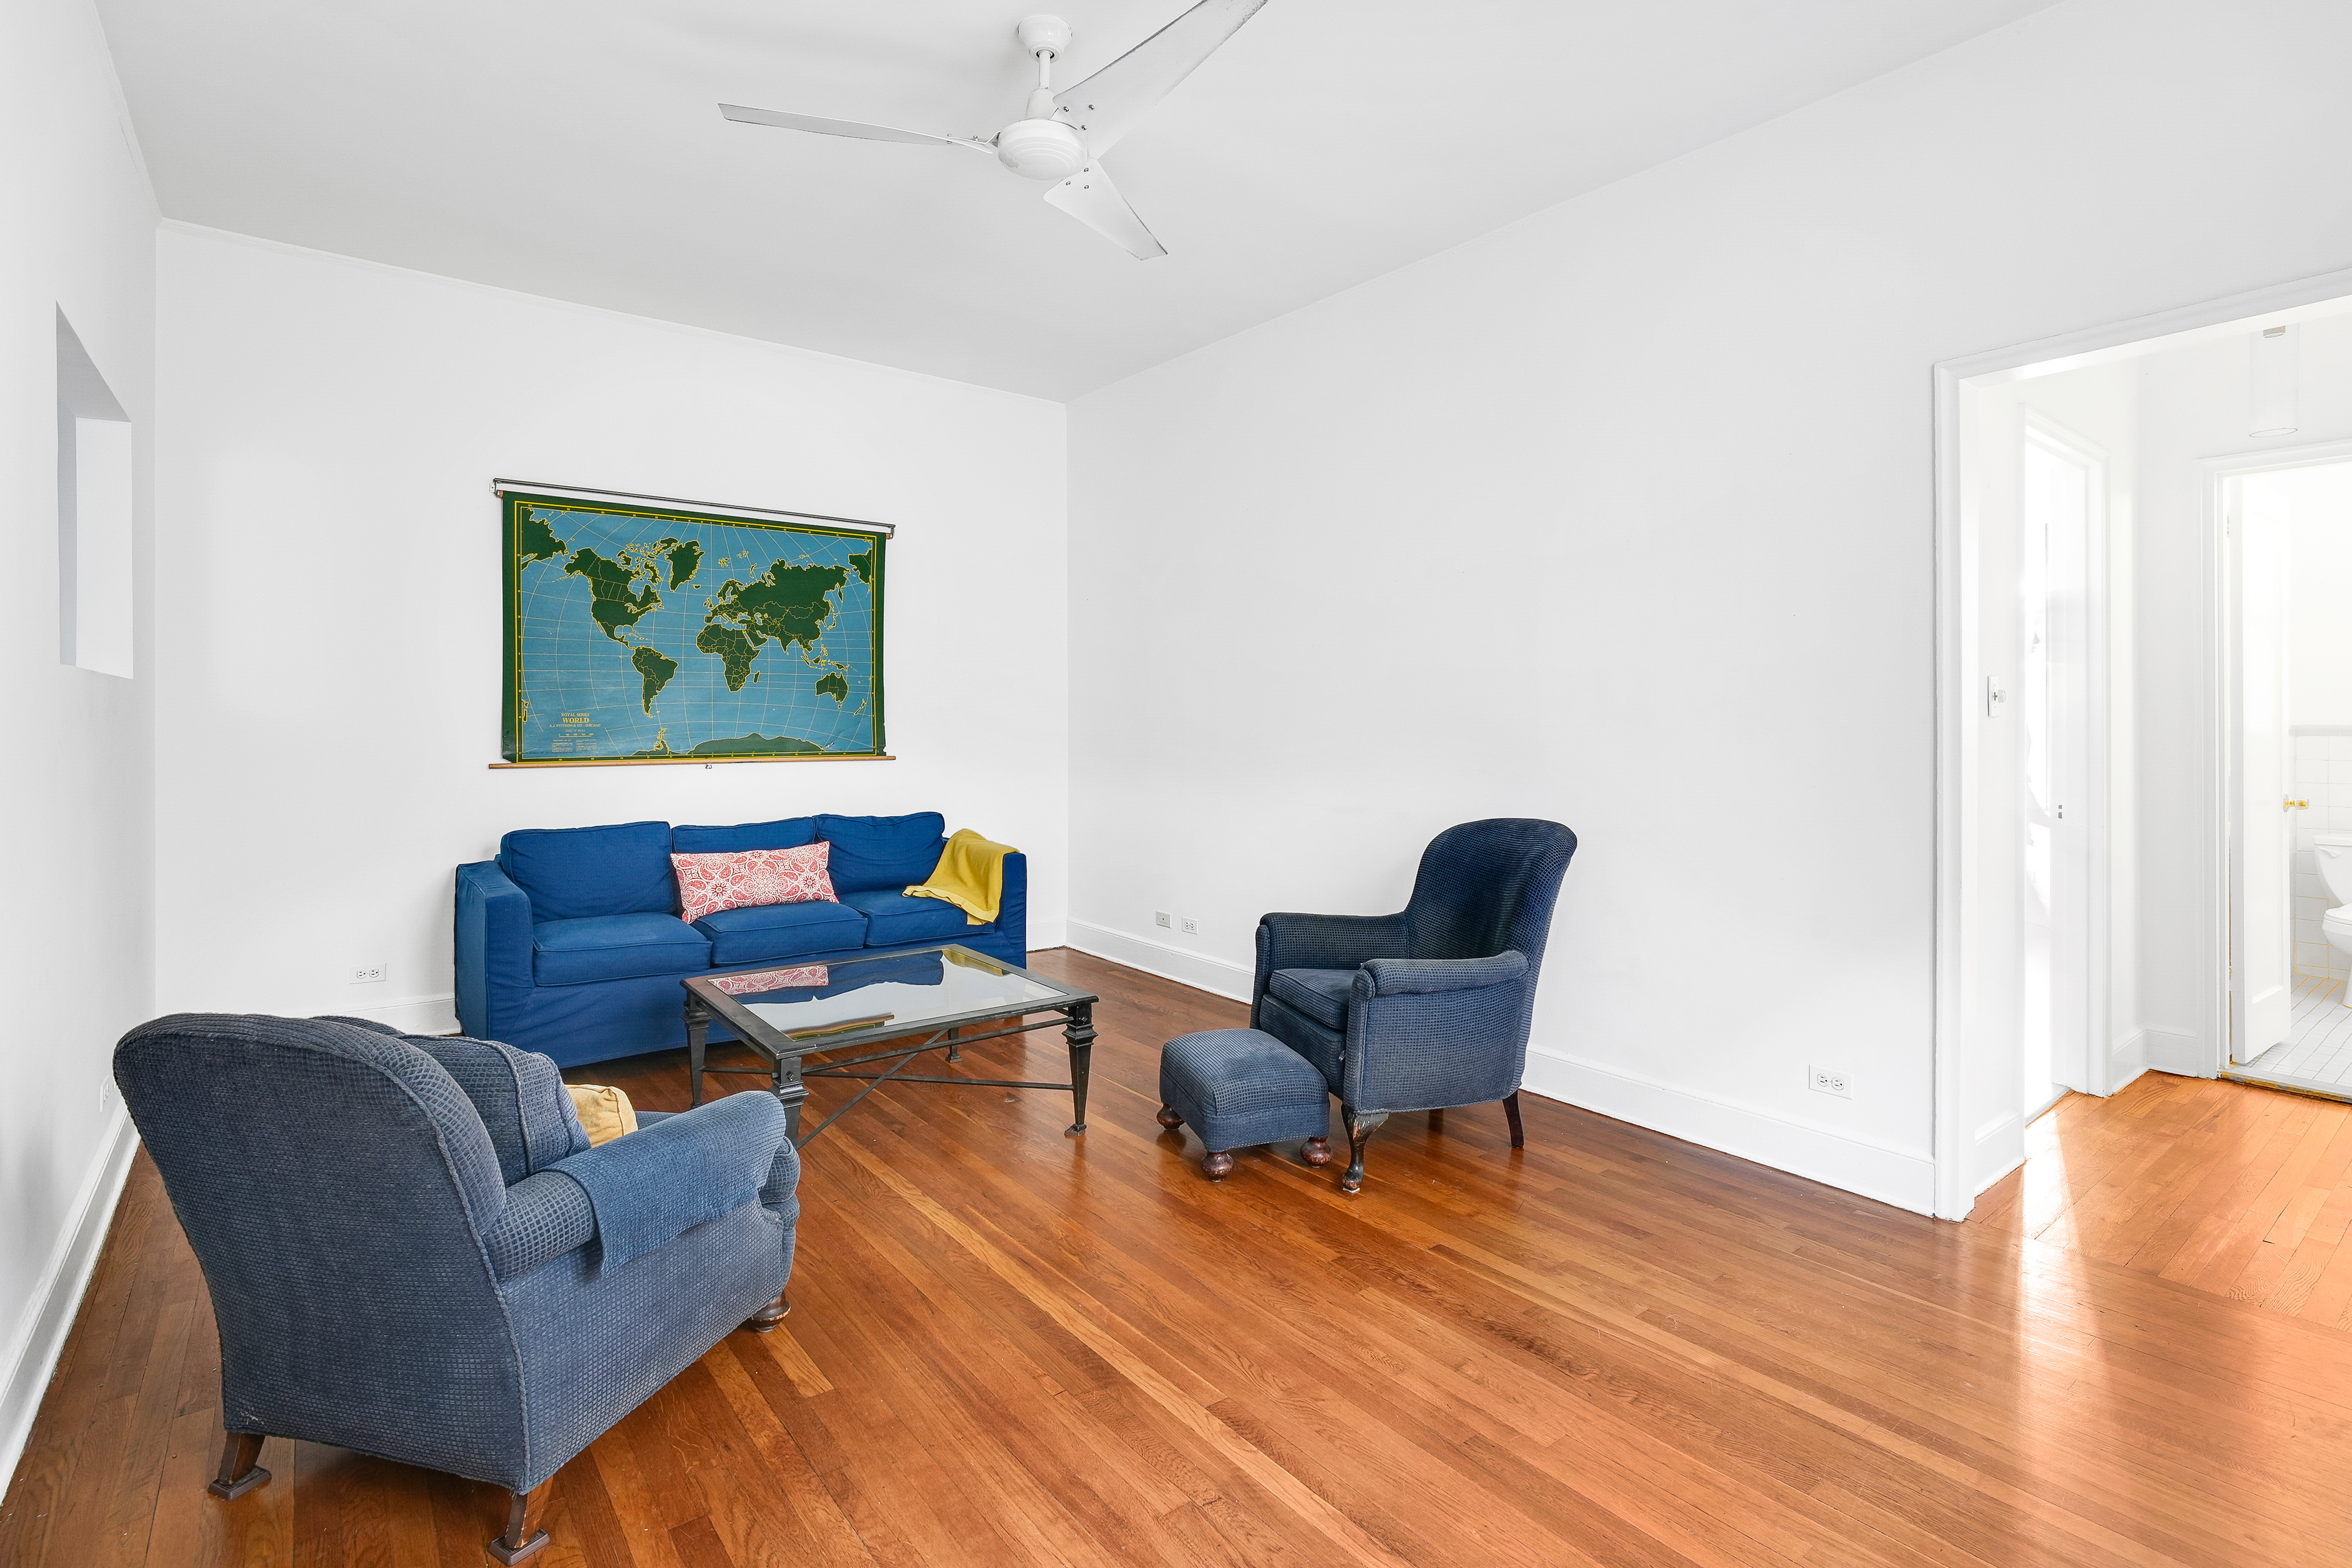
{"points": [[1080, 1032], [791, 1093], [698, 1042]]}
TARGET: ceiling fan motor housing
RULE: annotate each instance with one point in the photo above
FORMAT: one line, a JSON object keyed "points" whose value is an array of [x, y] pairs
{"points": [[1040, 150]]}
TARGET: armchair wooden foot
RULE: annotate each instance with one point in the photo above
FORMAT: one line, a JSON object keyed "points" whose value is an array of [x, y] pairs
{"points": [[765, 1319], [1511, 1110], [238, 1473], [524, 1538], [1316, 1151], [1360, 1129]]}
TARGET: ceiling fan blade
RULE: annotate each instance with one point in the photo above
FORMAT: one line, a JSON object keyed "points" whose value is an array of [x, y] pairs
{"points": [[825, 127], [1106, 105], [1090, 198]]}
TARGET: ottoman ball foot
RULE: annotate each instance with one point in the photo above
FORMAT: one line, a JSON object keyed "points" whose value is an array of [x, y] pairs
{"points": [[1168, 1119], [1216, 1163], [1316, 1151]]}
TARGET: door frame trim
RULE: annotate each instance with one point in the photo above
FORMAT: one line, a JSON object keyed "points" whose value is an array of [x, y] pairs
{"points": [[1955, 655]]}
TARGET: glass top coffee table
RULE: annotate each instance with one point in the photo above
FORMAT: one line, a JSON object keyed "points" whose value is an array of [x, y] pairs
{"points": [[793, 1011]]}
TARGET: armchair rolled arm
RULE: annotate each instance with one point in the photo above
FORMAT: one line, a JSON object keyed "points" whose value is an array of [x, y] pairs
{"points": [[546, 1215], [663, 1179], [1411, 976], [1426, 1032]]}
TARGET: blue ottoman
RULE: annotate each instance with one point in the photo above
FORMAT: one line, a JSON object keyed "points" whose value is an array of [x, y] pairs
{"points": [[1239, 1088]]}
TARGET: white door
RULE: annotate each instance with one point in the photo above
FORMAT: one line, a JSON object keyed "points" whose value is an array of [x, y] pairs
{"points": [[2260, 916], [2055, 495]]}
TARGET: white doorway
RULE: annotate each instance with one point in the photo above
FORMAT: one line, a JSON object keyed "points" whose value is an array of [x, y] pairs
{"points": [[2286, 548], [2096, 759]]}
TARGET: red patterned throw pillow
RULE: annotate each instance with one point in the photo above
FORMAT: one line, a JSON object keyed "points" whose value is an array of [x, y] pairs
{"points": [[709, 883]]}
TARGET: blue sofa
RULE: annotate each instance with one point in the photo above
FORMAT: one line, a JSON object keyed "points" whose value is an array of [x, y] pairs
{"points": [[571, 941]]}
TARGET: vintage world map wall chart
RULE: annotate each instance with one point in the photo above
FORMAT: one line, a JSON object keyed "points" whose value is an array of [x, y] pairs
{"points": [[644, 635]]}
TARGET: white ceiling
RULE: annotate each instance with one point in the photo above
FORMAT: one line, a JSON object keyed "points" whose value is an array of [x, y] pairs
{"points": [[575, 150]]}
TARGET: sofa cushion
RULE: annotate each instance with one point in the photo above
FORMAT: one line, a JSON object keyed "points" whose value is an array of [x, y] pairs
{"points": [[615, 947], [892, 918], [893, 852], [571, 873], [1320, 993], [785, 833], [763, 932]]}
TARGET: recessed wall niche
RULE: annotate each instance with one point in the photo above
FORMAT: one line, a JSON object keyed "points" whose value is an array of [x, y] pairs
{"points": [[94, 490]]}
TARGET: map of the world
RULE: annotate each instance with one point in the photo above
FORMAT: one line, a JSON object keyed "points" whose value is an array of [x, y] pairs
{"points": [[650, 636]]}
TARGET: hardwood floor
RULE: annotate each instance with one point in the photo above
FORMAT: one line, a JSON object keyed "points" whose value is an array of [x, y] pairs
{"points": [[1009, 1347], [2224, 1188]]}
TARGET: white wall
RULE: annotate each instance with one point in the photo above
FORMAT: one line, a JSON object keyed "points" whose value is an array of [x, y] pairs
{"points": [[1621, 515], [330, 646], [2319, 593], [77, 235]]}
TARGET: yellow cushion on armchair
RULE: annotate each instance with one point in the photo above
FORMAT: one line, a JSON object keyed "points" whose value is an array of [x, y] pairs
{"points": [[604, 1111]]}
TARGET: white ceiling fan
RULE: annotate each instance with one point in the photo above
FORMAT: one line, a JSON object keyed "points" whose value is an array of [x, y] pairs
{"points": [[1062, 136]]}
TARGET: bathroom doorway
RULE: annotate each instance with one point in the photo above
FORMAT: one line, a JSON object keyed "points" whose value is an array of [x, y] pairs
{"points": [[2287, 534]]}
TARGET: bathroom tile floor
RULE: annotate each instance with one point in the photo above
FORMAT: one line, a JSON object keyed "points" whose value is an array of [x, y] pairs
{"points": [[2318, 1045]]}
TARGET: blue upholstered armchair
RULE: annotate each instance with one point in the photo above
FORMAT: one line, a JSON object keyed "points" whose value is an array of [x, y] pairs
{"points": [[1427, 1008], [413, 1252]]}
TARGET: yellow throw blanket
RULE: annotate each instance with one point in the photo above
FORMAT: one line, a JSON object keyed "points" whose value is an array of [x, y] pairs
{"points": [[970, 875]]}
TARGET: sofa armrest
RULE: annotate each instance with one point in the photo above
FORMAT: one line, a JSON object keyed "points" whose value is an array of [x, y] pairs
{"points": [[1321, 941], [665, 1179], [546, 1216], [493, 949], [1013, 907], [1416, 976]]}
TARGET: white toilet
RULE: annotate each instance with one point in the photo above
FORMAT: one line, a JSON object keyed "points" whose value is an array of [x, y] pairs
{"points": [[2334, 853]]}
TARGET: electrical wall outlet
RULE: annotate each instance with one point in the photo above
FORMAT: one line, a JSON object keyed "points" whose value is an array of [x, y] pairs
{"points": [[1191, 927], [1160, 919], [367, 974], [1831, 1080]]}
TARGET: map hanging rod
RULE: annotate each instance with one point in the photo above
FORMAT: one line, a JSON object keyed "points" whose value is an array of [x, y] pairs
{"points": [[532, 487]]}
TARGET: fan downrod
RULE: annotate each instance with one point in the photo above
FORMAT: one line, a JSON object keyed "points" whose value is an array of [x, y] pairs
{"points": [[1038, 146]]}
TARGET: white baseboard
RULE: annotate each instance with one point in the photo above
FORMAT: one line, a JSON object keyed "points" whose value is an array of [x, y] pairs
{"points": [[411, 1015], [1903, 1177], [1193, 969], [40, 1337], [2174, 1051], [2008, 1127], [2126, 1061]]}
